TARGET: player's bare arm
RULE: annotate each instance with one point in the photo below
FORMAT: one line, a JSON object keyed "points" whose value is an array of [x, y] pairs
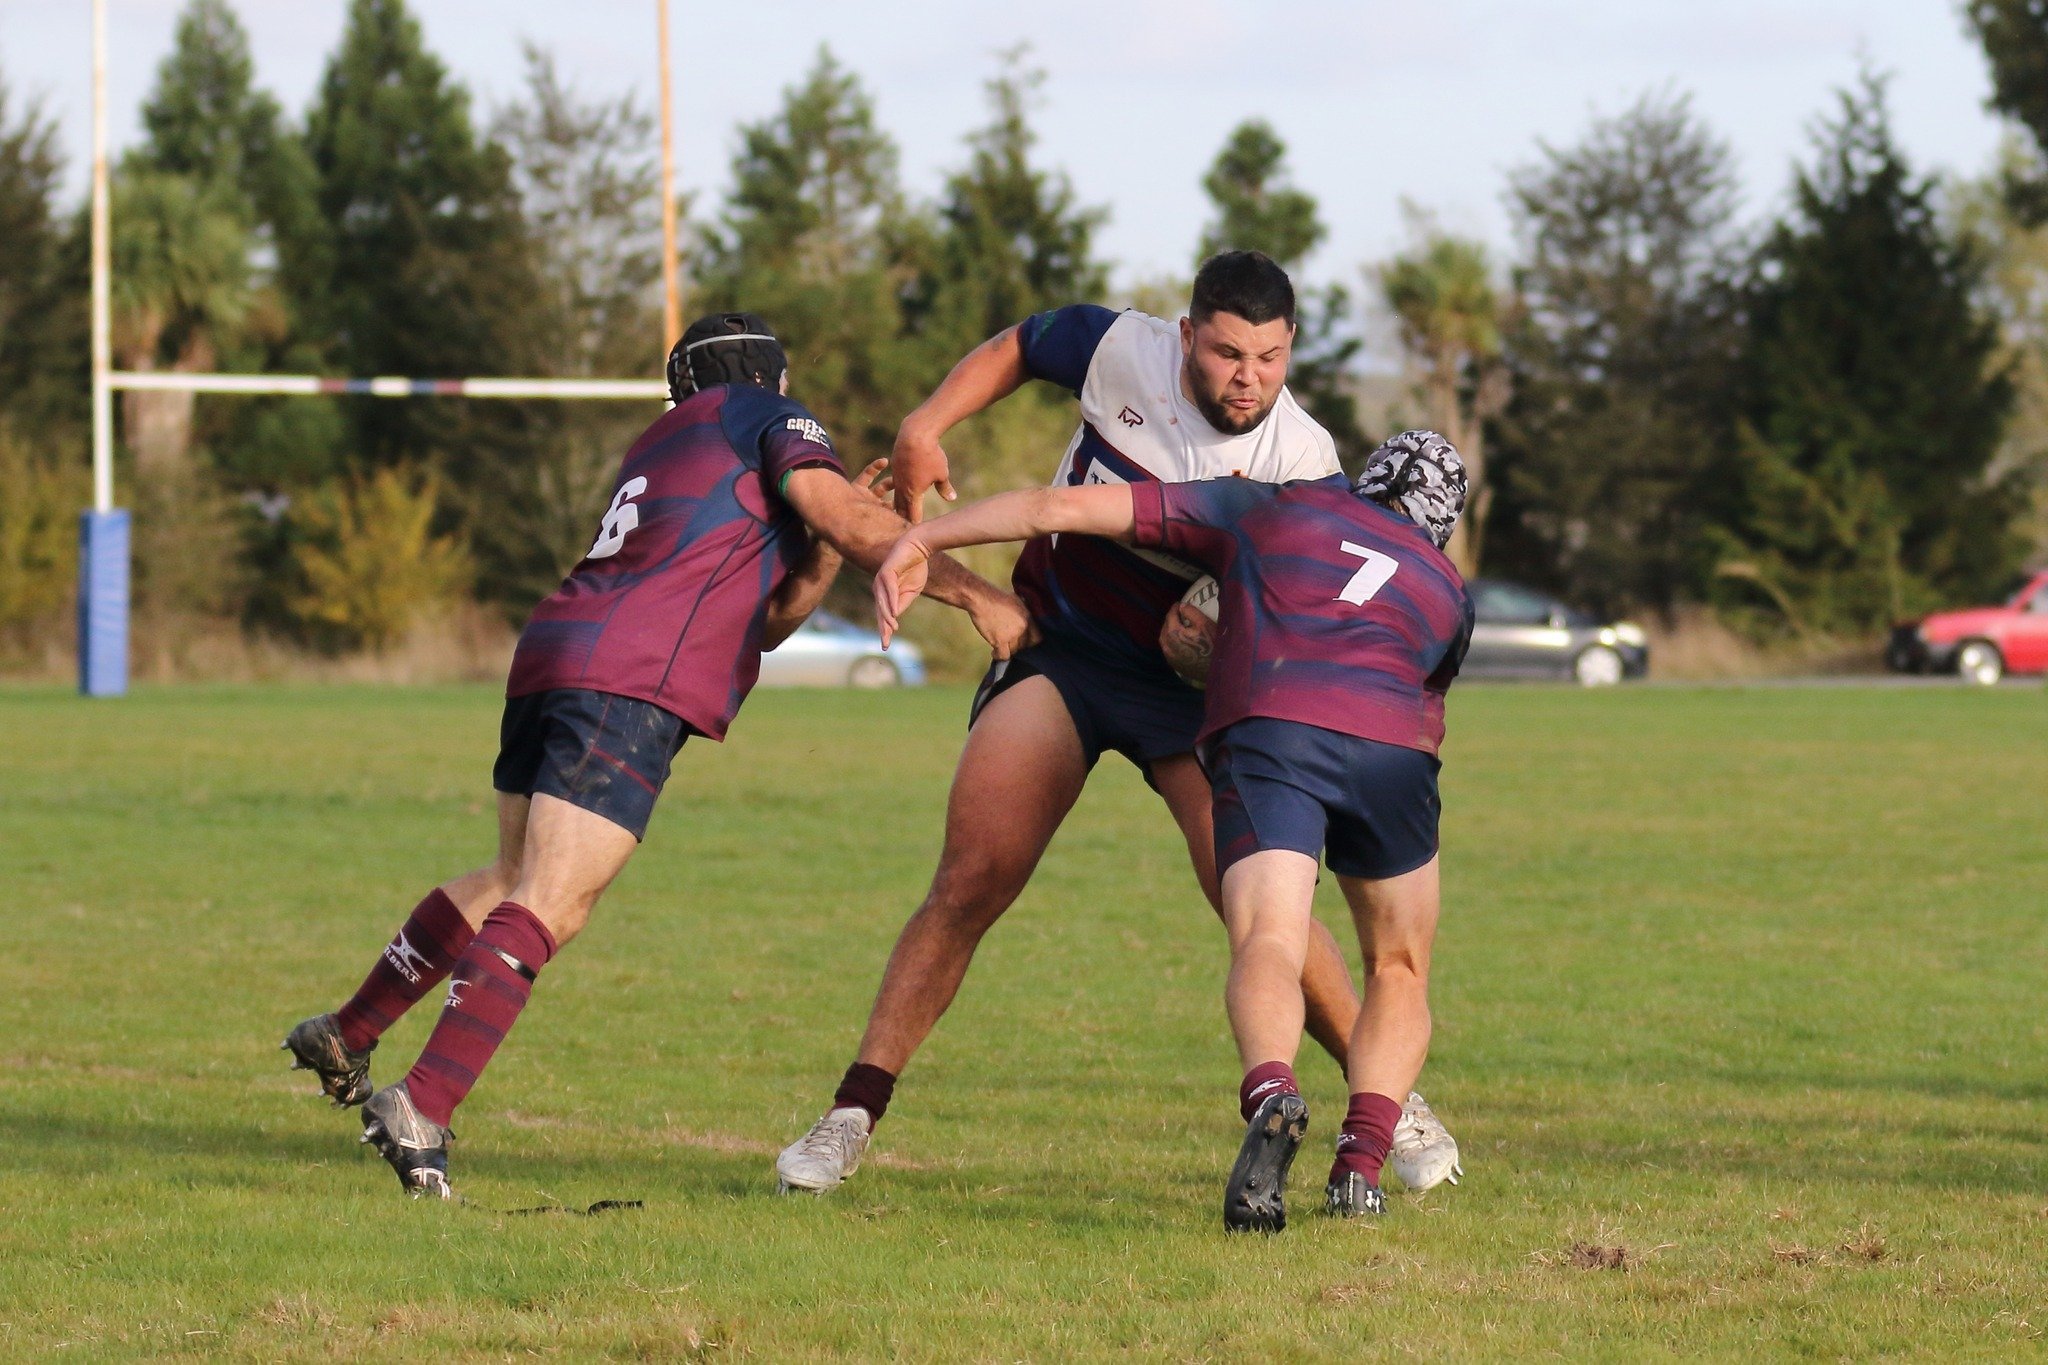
{"points": [[985, 376], [863, 530], [1022, 514], [805, 588]]}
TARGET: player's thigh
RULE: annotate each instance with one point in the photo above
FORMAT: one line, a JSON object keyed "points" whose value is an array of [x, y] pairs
{"points": [[512, 813], [1020, 773], [1270, 893], [1184, 787], [1396, 916], [571, 854]]}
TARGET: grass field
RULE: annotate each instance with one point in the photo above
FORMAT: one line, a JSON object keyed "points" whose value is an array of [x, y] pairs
{"points": [[1740, 989]]}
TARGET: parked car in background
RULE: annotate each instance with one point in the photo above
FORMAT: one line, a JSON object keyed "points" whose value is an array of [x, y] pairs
{"points": [[1521, 633], [1982, 644], [829, 651]]}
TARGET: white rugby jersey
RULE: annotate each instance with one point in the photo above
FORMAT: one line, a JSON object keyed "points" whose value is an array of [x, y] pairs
{"points": [[1137, 426]]}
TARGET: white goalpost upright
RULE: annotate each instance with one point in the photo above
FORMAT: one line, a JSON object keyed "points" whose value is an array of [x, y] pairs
{"points": [[103, 559]]}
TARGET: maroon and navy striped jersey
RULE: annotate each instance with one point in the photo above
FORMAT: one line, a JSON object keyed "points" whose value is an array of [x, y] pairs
{"points": [[669, 604], [1137, 427], [1335, 611]]}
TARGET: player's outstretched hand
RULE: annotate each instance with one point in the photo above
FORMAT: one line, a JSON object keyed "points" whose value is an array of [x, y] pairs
{"points": [[918, 463], [876, 481], [898, 582]]}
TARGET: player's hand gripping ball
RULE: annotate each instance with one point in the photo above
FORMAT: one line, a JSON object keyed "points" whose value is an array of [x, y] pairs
{"points": [[1188, 635]]}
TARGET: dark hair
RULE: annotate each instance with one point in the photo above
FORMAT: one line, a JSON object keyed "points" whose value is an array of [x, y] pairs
{"points": [[725, 348], [1246, 284]]}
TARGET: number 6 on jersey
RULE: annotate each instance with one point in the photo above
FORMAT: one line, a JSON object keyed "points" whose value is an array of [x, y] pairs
{"points": [[622, 516], [1371, 576]]}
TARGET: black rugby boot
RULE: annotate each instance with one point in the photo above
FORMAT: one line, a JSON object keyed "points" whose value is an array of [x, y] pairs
{"points": [[1255, 1198], [317, 1046], [1351, 1195], [415, 1145]]}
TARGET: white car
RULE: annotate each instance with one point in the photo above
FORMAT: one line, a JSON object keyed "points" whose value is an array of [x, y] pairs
{"points": [[828, 651]]}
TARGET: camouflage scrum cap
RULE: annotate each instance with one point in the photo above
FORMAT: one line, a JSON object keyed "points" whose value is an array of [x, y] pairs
{"points": [[1421, 474]]}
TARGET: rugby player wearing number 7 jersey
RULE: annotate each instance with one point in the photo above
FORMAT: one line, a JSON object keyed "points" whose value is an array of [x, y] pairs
{"points": [[1342, 626], [725, 528]]}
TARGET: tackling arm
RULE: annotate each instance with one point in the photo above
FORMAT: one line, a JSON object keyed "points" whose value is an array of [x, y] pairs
{"points": [[1025, 514], [862, 529], [805, 588]]}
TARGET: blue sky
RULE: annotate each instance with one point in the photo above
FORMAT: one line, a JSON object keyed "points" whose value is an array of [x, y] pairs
{"points": [[1378, 101]]}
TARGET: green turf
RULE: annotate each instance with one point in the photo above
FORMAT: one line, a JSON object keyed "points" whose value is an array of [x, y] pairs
{"points": [[1745, 983]]}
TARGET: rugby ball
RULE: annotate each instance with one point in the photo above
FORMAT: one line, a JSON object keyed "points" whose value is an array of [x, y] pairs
{"points": [[1205, 595]]}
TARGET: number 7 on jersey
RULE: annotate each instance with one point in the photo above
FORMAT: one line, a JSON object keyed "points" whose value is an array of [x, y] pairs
{"points": [[1371, 576]]}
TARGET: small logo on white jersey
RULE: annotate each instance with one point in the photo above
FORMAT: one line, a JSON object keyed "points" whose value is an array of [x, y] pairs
{"points": [[1131, 417], [1263, 1086], [809, 430], [409, 961]]}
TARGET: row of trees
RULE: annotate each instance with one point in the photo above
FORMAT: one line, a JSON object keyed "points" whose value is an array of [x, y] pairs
{"points": [[1816, 425]]}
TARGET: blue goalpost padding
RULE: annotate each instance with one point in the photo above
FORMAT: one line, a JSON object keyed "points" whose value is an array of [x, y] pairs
{"points": [[103, 603]]}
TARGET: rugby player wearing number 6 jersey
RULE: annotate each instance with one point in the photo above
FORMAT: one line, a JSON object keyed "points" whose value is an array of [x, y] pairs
{"points": [[725, 528], [1342, 626]]}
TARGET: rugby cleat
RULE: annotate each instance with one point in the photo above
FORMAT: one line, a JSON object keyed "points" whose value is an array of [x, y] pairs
{"points": [[1424, 1154], [1351, 1195], [317, 1047], [1255, 1198], [415, 1145], [821, 1159]]}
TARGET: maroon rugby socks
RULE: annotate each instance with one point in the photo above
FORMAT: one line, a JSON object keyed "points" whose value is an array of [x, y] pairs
{"points": [[865, 1087], [1367, 1137], [412, 964], [489, 985], [1261, 1083]]}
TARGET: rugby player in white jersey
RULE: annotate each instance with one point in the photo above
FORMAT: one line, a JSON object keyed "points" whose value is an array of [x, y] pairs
{"points": [[1202, 399]]}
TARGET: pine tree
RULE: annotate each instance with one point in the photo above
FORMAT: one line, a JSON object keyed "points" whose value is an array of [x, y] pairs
{"points": [[1013, 238], [1873, 408], [2015, 38], [1621, 361], [1257, 209], [589, 192], [426, 263], [33, 353], [815, 238]]}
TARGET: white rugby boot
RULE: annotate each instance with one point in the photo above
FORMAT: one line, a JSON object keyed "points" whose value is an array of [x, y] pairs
{"points": [[821, 1159], [1425, 1154]]}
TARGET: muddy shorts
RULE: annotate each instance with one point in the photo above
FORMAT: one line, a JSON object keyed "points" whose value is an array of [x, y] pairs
{"points": [[608, 754]]}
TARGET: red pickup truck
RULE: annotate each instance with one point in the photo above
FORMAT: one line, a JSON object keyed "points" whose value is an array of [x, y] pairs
{"points": [[1982, 644]]}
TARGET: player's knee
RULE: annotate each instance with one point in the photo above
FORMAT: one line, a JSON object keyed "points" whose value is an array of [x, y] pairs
{"points": [[971, 893], [1397, 962]]}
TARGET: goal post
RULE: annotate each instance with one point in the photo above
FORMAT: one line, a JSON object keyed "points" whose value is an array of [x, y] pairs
{"points": [[103, 535]]}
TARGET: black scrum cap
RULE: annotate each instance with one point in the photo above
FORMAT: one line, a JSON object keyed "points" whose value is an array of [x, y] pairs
{"points": [[725, 348]]}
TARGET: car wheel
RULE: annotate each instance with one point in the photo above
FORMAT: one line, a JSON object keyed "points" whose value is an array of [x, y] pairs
{"points": [[873, 671], [1597, 666], [1979, 662]]}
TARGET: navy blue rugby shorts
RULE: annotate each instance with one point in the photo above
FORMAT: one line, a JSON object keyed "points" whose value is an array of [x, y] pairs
{"points": [[608, 754], [1371, 808], [1141, 714]]}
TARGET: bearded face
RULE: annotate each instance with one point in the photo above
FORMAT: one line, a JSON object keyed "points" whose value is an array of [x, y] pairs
{"points": [[1233, 370]]}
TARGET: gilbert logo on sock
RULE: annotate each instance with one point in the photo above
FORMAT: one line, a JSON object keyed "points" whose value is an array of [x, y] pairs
{"points": [[455, 993], [409, 960], [1263, 1086]]}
